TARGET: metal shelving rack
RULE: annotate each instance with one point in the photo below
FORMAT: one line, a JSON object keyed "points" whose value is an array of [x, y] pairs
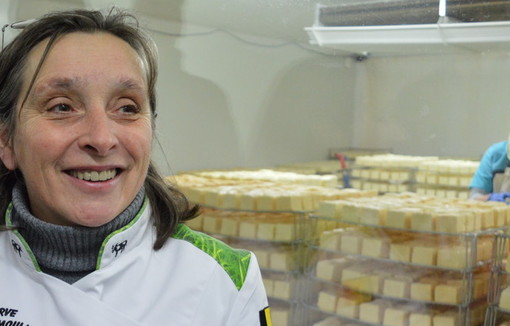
{"points": [[472, 278]]}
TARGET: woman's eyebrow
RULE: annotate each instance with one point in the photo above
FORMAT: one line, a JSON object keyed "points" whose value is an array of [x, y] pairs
{"points": [[129, 83], [73, 83], [59, 83]]}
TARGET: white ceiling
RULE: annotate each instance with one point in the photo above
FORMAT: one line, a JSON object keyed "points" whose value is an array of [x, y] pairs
{"points": [[279, 19]]}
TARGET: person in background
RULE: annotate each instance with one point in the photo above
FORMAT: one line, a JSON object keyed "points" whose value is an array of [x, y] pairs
{"points": [[492, 178], [90, 232]]}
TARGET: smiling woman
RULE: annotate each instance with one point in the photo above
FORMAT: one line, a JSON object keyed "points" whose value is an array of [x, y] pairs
{"points": [[81, 200]]}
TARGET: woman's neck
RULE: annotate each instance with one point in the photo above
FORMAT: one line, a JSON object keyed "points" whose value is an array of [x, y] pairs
{"points": [[66, 252]]}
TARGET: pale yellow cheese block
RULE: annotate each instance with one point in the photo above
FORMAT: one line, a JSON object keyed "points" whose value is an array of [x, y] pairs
{"points": [[420, 318], [396, 316], [231, 200], [265, 231], [365, 283], [309, 203], [289, 203], [488, 218], [424, 254], [396, 287], [454, 222], [211, 224], [331, 269], [248, 202], [423, 290], [262, 255], [212, 198], [282, 289], [484, 249], [350, 212], [193, 195], [364, 173], [374, 174], [327, 301], [454, 257], [248, 229], [372, 215], [423, 221], [400, 217], [352, 272], [331, 239], [420, 177], [229, 226], [504, 300], [446, 319], [350, 242], [375, 247], [266, 202], [329, 208], [400, 251], [432, 178], [285, 232], [373, 311], [269, 286], [196, 223], [452, 292], [349, 307], [281, 260]]}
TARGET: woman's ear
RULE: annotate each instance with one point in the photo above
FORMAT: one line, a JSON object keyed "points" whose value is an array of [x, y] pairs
{"points": [[6, 150]]}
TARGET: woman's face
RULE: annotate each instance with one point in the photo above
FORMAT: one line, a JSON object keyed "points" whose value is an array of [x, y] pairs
{"points": [[83, 137]]}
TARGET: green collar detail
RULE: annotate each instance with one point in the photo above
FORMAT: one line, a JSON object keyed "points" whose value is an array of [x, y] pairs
{"points": [[234, 261]]}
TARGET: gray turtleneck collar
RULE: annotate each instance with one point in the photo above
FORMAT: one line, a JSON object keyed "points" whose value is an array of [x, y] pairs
{"points": [[66, 252]]}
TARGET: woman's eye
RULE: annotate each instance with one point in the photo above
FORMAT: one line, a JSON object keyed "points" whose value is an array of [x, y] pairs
{"points": [[129, 109], [60, 108]]}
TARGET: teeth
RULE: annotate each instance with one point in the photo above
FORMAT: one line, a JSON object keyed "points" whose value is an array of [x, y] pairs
{"points": [[94, 175]]}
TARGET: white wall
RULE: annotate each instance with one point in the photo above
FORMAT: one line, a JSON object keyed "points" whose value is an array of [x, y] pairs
{"points": [[227, 103], [450, 105]]}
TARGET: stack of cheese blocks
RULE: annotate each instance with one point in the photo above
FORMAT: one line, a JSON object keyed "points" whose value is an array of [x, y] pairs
{"points": [[273, 176], [406, 259], [313, 167], [387, 172], [332, 167], [410, 211], [446, 178], [211, 190], [278, 227], [499, 298], [263, 211]]}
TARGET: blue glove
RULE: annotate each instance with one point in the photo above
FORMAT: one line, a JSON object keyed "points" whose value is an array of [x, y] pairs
{"points": [[499, 196]]}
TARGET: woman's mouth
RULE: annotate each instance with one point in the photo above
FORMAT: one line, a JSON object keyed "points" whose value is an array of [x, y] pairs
{"points": [[94, 176]]}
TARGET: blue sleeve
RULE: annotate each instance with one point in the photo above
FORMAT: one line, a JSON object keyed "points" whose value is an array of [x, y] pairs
{"points": [[494, 160]]}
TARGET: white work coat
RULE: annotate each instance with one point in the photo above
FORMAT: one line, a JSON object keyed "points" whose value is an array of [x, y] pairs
{"points": [[194, 280]]}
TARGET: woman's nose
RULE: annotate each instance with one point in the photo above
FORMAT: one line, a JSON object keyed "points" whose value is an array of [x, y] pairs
{"points": [[98, 136]]}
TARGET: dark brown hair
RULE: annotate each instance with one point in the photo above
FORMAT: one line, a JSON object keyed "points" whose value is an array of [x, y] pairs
{"points": [[169, 206]]}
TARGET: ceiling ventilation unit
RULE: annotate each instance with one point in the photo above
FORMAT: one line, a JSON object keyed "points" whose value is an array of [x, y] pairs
{"points": [[413, 26]]}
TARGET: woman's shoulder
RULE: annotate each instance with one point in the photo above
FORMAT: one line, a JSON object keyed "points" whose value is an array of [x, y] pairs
{"points": [[234, 261]]}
